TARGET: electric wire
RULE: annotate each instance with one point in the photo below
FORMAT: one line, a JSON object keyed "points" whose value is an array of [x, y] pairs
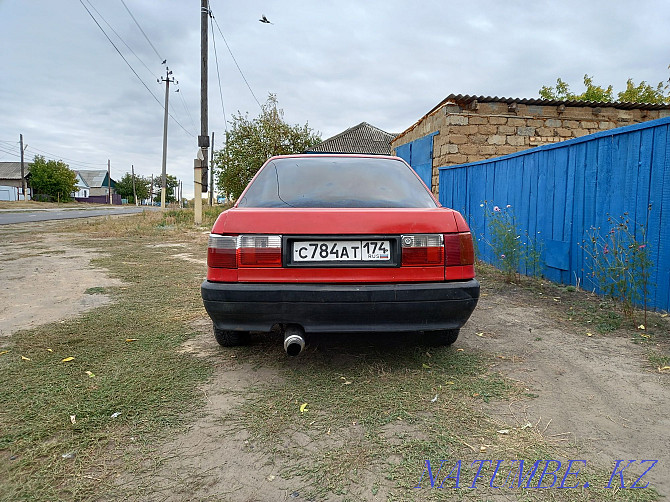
{"points": [[121, 38], [143, 33], [131, 68], [235, 60], [133, 52], [188, 112], [120, 54], [39, 151], [8, 152], [218, 74]]}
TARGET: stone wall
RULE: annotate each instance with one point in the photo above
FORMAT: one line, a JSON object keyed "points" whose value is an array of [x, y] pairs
{"points": [[480, 131]]}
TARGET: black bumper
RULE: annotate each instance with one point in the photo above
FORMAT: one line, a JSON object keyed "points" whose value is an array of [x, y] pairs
{"points": [[341, 307]]}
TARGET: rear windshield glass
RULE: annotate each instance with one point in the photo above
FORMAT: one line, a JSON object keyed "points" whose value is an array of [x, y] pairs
{"points": [[336, 182]]}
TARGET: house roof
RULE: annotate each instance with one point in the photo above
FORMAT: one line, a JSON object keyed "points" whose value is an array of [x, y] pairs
{"points": [[81, 183], [94, 179], [466, 99], [12, 170], [362, 138]]}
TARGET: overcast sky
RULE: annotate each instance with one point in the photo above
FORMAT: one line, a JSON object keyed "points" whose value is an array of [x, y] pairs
{"points": [[333, 64]]}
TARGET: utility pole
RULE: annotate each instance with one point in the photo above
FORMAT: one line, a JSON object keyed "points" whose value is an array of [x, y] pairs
{"points": [[132, 169], [151, 194], [109, 182], [23, 173], [203, 139], [211, 175], [167, 79]]}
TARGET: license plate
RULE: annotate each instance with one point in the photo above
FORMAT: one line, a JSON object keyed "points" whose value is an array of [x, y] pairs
{"points": [[306, 251]]}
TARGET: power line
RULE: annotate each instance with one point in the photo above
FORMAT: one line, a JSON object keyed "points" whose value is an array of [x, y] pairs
{"points": [[143, 33], [120, 38], [235, 60], [218, 74], [38, 151], [131, 68], [59, 157], [8, 152], [181, 95], [120, 54]]}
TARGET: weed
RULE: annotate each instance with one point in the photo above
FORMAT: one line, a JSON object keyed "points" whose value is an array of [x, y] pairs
{"points": [[620, 262], [512, 252]]}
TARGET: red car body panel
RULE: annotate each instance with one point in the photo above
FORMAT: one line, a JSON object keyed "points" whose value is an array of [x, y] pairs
{"points": [[362, 221], [325, 221]]}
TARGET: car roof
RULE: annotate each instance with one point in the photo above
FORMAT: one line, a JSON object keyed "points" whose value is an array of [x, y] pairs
{"points": [[335, 155]]}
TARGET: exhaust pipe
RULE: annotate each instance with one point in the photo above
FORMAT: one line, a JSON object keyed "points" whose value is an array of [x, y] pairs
{"points": [[294, 340]]}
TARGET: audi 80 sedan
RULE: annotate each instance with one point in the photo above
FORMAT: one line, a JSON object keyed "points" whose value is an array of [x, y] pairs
{"points": [[321, 243]]}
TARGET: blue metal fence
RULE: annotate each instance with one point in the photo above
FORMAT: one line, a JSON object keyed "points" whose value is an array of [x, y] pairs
{"points": [[560, 192], [419, 155]]}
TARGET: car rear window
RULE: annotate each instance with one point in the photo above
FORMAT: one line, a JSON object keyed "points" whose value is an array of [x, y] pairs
{"points": [[337, 182]]}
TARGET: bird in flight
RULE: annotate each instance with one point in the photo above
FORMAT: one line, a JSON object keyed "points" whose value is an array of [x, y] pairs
{"points": [[264, 19]]}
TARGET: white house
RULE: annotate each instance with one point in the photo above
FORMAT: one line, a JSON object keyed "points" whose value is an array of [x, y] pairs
{"points": [[82, 188]]}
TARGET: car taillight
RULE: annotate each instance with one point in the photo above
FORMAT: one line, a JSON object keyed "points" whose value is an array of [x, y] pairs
{"points": [[422, 249], [229, 251], [459, 249], [222, 251], [259, 250]]}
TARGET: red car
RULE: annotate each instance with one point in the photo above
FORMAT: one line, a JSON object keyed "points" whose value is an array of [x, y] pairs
{"points": [[338, 244]]}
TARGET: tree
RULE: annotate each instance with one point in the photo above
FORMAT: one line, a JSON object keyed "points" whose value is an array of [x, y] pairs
{"points": [[641, 93], [124, 187], [171, 184], [645, 93], [592, 93], [249, 143], [52, 178]]}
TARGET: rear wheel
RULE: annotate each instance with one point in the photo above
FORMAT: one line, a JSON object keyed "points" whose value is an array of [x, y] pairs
{"points": [[227, 338], [443, 337]]}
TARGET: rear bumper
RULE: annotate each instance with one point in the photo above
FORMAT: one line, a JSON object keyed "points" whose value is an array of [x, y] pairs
{"points": [[341, 307]]}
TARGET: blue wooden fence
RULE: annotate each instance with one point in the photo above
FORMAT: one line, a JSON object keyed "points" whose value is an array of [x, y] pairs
{"points": [[561, 192]]}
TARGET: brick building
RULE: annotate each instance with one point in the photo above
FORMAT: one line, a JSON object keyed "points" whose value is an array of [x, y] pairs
{"points": [[471, 128]]}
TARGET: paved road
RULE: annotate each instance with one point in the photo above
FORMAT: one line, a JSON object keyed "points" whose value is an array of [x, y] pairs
{"points": [[10, 216]]}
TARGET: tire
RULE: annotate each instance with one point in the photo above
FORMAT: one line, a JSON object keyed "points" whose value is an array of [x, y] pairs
{"points": [[444, 337], [230, 338]]}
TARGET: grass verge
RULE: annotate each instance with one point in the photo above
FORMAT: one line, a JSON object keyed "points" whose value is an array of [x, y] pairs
{"points": [[77, 394]]}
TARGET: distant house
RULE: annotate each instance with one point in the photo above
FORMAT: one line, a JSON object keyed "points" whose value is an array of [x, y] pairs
{"points": [[363, 138], [98, 182], [10, 180], [82, 189]]}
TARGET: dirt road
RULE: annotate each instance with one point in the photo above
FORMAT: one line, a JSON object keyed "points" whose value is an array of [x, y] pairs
{"points": [[43, 278]]}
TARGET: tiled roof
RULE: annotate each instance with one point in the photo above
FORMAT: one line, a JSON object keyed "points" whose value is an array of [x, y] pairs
{"points": [[363, 138], [12, 170]]}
